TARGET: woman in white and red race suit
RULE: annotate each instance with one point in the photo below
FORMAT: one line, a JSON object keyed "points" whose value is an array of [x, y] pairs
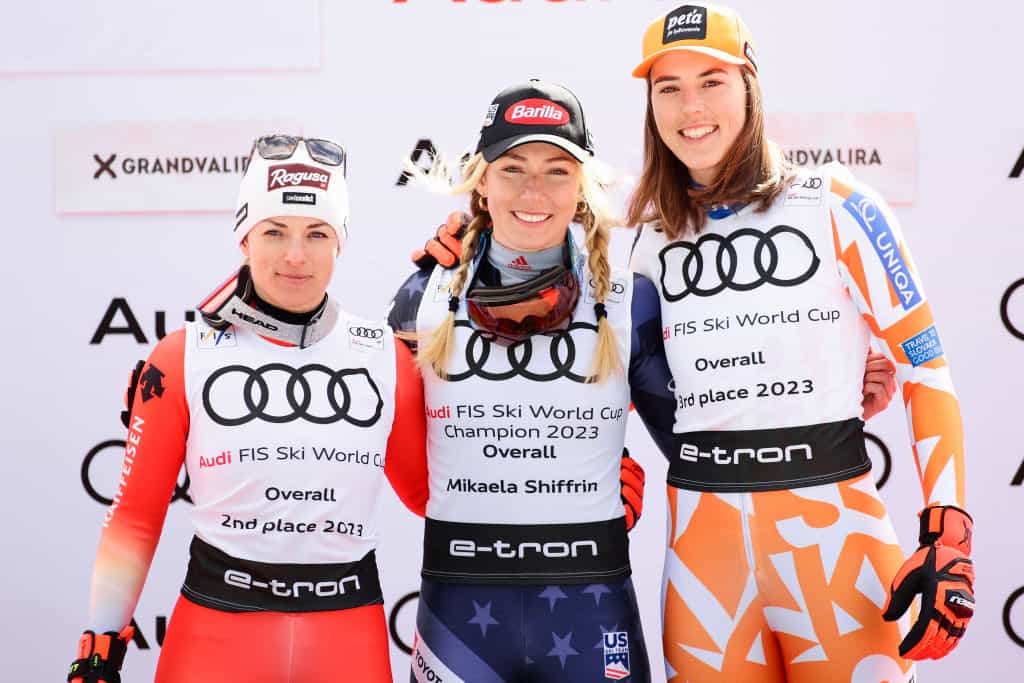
{"points": [[283, 408], [773, 282]]}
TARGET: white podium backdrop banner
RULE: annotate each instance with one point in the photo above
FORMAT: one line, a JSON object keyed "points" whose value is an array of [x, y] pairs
{"points": [[879, 148], [123, 36], [89, 293], [129, 167]]}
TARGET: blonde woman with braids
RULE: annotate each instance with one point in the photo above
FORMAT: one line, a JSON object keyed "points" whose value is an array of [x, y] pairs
{"points": [[527, 184], [531, 353]]}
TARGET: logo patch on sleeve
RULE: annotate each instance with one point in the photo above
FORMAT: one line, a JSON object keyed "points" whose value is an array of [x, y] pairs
{"points": [[872, 221], [923, 347]]}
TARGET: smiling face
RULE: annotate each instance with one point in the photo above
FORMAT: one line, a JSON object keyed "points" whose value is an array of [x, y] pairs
{"points": [[291, 259], [699, 106], [532, 191]]}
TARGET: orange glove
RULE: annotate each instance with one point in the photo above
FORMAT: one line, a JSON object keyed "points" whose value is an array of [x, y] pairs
{"points": [[100, 657], [631, 477], [942, 572], [445, 247], [879, 384]]}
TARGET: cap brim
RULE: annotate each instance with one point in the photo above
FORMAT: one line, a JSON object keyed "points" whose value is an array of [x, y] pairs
{"points": [[644, 67], [497, 149]]}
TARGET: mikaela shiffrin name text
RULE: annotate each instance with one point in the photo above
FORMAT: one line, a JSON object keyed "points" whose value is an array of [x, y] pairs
{"points": [[517, 441]]}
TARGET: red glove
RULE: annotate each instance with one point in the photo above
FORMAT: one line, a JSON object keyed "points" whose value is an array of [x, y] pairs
{"points": [[942, 572], [100, 657], [445, 247], [631, 477]]}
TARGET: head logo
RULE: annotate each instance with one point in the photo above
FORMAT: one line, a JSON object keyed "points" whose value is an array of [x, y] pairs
{"points": [[536, 112], [296, 175], [151, 382]]}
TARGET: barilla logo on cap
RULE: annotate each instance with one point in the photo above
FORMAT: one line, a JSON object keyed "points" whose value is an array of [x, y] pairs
{"points": [[295, 175], [688, 22], [536, 112]]}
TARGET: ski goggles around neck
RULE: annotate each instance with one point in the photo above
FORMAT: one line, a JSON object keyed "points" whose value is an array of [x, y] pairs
{"points": [[514, 313], [280, 147]]}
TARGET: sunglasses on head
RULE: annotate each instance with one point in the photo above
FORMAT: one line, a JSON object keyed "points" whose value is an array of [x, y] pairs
{"points": [[280, 147]]}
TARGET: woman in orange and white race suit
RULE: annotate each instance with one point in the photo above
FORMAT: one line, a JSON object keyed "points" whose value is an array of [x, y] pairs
{"points": [[782, 563], [283, 408]]}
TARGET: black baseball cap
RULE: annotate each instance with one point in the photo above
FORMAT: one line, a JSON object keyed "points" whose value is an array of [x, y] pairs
{"points": [[535, 111]]}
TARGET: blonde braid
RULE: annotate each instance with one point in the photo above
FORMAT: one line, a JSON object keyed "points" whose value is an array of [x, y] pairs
{"points": [[606, 354], [436, 351]]}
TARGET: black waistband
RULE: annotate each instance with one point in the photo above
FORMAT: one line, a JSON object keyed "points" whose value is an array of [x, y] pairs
{"points": [[769, 459], [229, 584], [525, 553]]}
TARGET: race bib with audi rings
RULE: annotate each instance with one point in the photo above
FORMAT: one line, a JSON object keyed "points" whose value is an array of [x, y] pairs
{"points": [[286, 445], [516, 435], [761, 331]]}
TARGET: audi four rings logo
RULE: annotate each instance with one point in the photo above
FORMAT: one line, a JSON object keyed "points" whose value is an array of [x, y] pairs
{"points": [[1004, 309], [886, 459], [743, 260], [109, 473], [367, 332], [256, 394], [1007, 613], [808, 184], [518, 356], [614, 287]]}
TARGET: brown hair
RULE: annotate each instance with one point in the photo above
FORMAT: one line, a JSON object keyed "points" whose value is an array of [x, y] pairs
{"points": [[753, 171], [595, 217]]}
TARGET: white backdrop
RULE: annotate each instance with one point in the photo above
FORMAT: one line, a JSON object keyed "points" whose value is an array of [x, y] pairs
{"points": [[163, 80]]}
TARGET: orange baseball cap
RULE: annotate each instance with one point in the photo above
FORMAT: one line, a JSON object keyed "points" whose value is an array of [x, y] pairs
{"points": [[699, 27]]}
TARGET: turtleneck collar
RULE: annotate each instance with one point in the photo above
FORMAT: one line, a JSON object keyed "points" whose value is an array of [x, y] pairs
{"points": [[284, 316], [239, 305], [516, 266]]}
